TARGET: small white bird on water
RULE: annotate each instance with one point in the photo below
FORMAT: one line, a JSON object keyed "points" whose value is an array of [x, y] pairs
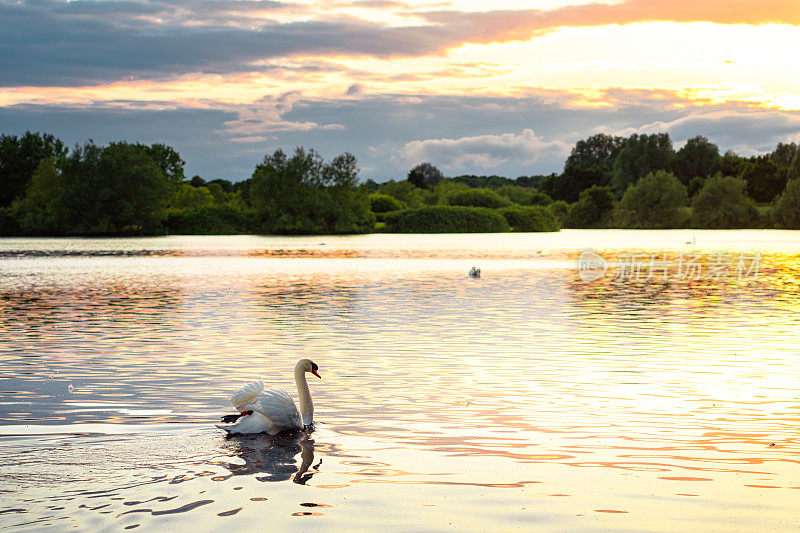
{"points": [[269, 410]]}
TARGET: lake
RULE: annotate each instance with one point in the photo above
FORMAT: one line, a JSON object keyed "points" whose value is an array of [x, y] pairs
{"points": [[590, 379]]}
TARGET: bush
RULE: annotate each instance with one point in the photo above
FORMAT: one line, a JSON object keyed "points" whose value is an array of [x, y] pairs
{"points": [[723, 203], [404, 191], [787, 208], [653, 202], [446, 219], [478, 198], [442, 191], [530, 218], [592, 210], [382, 203], [210, 220]]}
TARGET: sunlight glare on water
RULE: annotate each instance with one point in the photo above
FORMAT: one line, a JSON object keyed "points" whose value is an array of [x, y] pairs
{"points": [[527, 398]]}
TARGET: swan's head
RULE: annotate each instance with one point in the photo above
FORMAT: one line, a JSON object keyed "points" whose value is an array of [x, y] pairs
{"points": [[309, 366]]}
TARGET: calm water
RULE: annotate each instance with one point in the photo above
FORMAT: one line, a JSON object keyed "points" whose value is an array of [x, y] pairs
{"points": [[529, 398]]}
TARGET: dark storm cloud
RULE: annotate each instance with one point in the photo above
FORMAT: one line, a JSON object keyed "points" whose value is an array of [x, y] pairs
{"points": [[56, 43]]}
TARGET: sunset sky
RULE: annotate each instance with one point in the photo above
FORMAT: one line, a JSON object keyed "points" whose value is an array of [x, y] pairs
{"points": [[501, 87]]}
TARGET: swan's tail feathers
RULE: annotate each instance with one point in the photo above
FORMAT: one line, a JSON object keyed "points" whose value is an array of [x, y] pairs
{"points": [[251, 422], [230, 419]]}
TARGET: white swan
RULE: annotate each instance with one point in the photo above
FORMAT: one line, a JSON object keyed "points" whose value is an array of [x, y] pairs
{"points": [[268, 410]]}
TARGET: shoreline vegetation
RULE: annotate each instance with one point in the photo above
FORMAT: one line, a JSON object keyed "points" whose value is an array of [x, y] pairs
{"points": [[638, 182]]}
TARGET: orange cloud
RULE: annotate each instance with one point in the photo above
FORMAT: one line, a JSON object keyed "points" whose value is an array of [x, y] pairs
{"points": [[509, 25]]}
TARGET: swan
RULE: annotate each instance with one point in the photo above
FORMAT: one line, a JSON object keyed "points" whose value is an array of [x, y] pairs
{"points": [[268, 410]]}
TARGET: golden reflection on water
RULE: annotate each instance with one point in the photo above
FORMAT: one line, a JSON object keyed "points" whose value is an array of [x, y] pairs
{"points": [[526, 398]]}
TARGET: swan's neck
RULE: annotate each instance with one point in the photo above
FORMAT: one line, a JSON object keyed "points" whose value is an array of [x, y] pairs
{"points": [[306, 405]]}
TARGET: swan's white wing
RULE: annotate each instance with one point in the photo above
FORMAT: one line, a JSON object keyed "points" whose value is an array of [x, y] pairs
{"points": [[279, 407], [248, 394], [253, 423]]}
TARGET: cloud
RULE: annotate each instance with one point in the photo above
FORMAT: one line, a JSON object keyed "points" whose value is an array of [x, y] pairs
{"points": [[81, 42], [390, 133], [745, 132], [506, 25], [483, 151], [354, 90], [266, 116], [52, 43]]}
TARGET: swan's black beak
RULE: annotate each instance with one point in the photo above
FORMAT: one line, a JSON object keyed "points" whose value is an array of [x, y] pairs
{"points": [[314, 371]]}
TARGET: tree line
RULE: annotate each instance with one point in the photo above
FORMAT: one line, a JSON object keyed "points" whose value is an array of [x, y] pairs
{"points": [[635, 182], [639, 181]]}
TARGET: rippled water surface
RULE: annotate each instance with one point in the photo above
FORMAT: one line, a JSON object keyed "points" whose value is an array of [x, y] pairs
{"points": [[661, 396]]}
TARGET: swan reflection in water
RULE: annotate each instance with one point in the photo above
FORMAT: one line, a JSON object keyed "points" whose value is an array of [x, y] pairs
{"points": [[273, 455]]}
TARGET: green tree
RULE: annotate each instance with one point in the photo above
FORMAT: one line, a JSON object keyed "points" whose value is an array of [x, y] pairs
{"points": [[186, 197], [574, 180], [38, 211], [425, 176], [490, 182], [597, 151], [783, 154], [442, 191], [560, 210], [167, 159], [225, 185], [593, 208], [723, 203], [19, 159], [787, 207], [732, 164], [764, 179], [641, 155], [793, 171], [304, 195], [118, 189], [697, 158], [534, 181], [695, 184], [219, 196], [655, 201]]}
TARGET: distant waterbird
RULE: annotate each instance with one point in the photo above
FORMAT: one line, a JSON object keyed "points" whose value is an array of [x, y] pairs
{"points": [[475, 272], [269, 410]]}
